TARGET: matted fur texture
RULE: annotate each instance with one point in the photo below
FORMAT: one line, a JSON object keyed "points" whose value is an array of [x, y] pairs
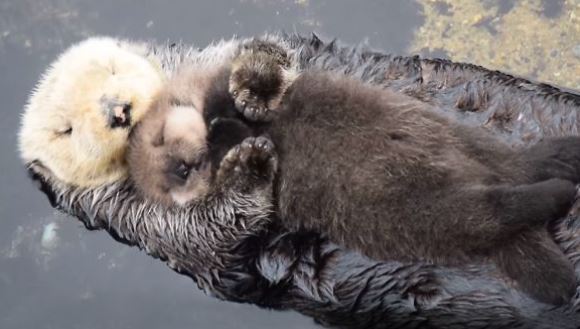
{"points": [[256, 262]]}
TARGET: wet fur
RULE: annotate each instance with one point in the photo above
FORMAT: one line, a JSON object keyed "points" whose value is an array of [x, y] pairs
{"points": [[358, 161], [384, 174], [381, 173], [306, 273]]}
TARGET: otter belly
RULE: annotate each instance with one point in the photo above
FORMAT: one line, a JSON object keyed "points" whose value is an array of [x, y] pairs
{"points": [[372, 172]]}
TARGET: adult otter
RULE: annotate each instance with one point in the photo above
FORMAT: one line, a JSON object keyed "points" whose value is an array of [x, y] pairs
{"points": [[308, 274]]}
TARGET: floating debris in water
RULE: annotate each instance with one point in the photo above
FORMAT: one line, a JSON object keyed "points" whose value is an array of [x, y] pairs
{"points": [[49, 238]]}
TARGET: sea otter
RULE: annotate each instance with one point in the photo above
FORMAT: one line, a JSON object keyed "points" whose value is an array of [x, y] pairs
{"points": [[307, 273]]}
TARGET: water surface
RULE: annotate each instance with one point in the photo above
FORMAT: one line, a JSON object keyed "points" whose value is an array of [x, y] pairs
{"points": [[55, 274]]}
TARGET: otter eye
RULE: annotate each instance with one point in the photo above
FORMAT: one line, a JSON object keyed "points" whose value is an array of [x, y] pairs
{"points": [[178, 172], [64, 132], [183, 171]]}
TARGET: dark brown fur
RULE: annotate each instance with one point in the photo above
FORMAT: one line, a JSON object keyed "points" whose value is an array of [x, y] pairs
{"points": [[381, 173], [333, 285]]}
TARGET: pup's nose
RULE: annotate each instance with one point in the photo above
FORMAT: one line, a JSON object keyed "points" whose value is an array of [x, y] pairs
{"points": [[119, 115]]}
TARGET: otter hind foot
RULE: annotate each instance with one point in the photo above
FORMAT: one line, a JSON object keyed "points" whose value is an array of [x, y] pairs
{"points": [[534, 205], [250, 164], [539, 267], [557, 157]]}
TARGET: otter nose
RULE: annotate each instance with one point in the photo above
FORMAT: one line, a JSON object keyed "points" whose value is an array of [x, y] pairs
{"points": [[119, 115]]}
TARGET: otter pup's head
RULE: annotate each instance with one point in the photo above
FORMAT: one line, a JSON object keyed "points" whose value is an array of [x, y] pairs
{"points": [[77, 121], [168, 154]]}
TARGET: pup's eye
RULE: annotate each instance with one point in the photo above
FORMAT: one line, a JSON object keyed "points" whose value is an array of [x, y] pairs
{"points": [[183, 171]]}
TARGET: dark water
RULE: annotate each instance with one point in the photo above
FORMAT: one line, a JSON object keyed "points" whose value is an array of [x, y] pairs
{"points": [[55, 274]]}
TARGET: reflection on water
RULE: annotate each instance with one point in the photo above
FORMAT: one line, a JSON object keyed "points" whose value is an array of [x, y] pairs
{"points": [[55, 274], [534, 38]]}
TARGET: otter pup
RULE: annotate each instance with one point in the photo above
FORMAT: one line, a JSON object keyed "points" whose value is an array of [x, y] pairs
{"points": [[358, 161], [175, 148], [381, 173]]}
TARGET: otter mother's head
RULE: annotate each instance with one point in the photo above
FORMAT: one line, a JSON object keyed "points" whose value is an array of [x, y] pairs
{"points": [[77, 121]]}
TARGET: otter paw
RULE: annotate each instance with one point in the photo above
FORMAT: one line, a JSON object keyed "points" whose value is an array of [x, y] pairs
{"points": [[257, 82], [251, 108], [252, 161]]}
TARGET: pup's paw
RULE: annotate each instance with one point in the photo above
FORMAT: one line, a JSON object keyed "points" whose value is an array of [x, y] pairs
{"points": [[249, 164], [258, 80], [253, 108]]}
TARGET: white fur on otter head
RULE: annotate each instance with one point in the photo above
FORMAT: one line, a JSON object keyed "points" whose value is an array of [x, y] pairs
{"points": [[66, 126]]}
